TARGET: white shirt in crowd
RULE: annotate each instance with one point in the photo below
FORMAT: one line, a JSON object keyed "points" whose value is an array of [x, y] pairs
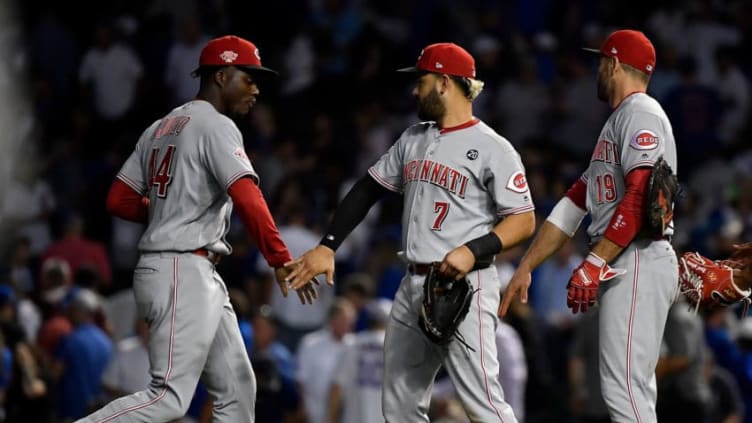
{"points": [[318, 356], [360, 377], [181, 61], [128, 370], [114, 74], [22, 201]]}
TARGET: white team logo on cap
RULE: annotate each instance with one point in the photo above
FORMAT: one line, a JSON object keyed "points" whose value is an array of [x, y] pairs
{"points": [[438, 65], [517, 182], [614, 50], [228, 56], [256, 53]]}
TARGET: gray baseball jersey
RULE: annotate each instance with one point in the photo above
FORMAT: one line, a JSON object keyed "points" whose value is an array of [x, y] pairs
{"points": [[457, 183], [636, 134], [185, 162], [634, 306], [189, 208]]}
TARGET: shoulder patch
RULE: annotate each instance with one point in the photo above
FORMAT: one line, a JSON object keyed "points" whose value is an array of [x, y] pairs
{"points": [[644, 140], [517, 182], [240, 154]]}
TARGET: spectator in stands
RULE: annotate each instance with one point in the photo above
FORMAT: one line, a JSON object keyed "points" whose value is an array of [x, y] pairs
{"points": [[128, 370], [355, 393], [684, 392], [81, 358], [27, 205], [319, 355], [277, 398], [79, 251]]}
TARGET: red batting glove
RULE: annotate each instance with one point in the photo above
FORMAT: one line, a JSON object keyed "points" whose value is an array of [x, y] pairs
{"points": [[583, 286]]}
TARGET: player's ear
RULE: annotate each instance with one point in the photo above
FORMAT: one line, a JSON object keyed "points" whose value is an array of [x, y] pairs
{"points": [[615, 64], [221, 76], [444, 83]]}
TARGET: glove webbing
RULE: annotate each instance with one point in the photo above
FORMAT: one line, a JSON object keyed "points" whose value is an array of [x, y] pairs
{"points": [[696, 295], [461, 337]]}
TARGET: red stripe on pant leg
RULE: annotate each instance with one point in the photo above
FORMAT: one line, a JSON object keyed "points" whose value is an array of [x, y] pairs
{"points": [[482, 362], [629, 336], [163, 392]]}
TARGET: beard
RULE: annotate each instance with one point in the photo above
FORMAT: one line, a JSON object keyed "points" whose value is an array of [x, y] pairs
{"points": [[431, 107]]}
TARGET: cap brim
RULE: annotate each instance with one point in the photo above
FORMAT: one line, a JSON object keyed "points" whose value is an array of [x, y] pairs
{"points": [[591, 50], [254, 70], [411, 69], [258, 70]]}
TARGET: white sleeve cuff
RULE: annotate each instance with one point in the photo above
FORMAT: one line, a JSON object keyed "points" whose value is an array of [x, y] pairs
{"points": [[567, 216]]}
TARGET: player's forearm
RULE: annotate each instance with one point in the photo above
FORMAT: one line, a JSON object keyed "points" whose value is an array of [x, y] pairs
{"points": [[547, 242], [607, 249], [515, 228], [125, 203], [257, 218], [626, 221], [351, 211]]}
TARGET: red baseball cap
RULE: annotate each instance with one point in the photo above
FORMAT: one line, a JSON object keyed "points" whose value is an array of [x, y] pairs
{"points": [[231, 51], [630, 47], [448, 58]]}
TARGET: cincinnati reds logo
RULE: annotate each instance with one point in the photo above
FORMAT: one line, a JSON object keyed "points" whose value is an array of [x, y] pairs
{"points": [[257, 54], [517, 182], [644, 140], [472, 154], [228, 56]]}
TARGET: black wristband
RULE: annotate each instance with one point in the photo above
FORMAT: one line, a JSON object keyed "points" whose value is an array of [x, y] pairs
{"points": [[330, 241], [485, 246]]}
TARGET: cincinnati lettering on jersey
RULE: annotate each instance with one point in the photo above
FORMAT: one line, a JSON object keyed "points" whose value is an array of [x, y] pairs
{"points": [[171, 126], [437, 174], [606, 151]]}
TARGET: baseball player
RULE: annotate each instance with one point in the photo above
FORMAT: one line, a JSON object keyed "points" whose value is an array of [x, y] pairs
{"points": [[465, 199], [639, 273], [185, 174]]}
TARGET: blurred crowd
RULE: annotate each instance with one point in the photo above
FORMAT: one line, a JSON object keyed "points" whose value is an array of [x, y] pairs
{"points": [[87, 80]]}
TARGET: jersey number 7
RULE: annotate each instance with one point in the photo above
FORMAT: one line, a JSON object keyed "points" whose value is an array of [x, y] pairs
{"points": [[161, 176], [442, 208]]}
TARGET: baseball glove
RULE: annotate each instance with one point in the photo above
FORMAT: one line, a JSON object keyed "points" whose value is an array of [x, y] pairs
{"points": [[710, 284], [663, 187], [445, 304]]}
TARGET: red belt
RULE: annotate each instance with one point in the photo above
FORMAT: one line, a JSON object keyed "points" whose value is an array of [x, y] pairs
{"points": [[213, 257], [418, 268]]}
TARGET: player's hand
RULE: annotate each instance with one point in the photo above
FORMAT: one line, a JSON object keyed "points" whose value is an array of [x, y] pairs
{"points": [[280, 274], [518, 285], [457, 263], [307, 293], [317, 261], [582, 289]]}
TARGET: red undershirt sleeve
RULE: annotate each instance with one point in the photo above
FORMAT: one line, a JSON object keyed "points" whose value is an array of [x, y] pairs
{"points": [[125, 203], [577, 193], [627, 219], [254, 212]]}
